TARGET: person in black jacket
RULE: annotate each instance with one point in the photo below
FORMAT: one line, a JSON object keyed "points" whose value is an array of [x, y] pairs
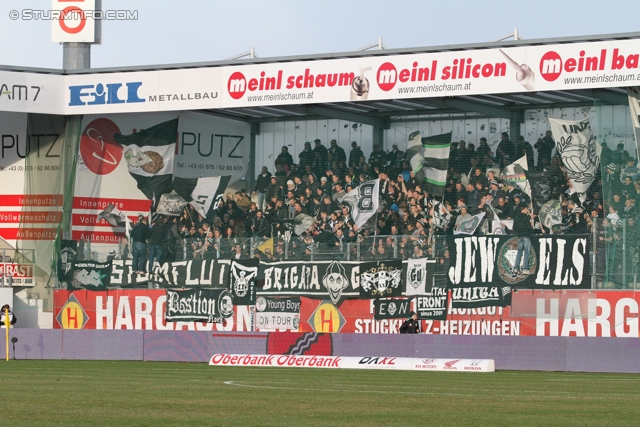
{"points": [[262, 183], [523, 227], [139, 236], [411, 325]]}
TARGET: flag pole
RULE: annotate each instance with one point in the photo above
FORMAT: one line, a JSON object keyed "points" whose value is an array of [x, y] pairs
{"points": [[7, 325]]}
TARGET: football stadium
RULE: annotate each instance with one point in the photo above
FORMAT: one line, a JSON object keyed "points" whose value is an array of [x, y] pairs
{"points": [[440, 235]]}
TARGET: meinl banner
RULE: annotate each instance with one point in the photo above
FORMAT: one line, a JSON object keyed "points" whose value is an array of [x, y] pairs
{"points": [[319, 279], [199, 305], [397, 308], [381, 279], [277, 314], [209, 273], [555, 262], [433, 306], [90, 275], [242, 281]]}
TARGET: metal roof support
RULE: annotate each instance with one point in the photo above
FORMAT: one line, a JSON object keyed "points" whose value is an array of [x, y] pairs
{"points": [[604, 95], [465, 105], [346, 115]]}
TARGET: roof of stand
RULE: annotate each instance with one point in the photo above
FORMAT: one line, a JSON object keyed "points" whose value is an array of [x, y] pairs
{"points": [[384, 112]]}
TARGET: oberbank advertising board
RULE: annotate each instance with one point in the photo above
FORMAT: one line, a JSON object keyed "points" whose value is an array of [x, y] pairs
{"points": [[533, 313]]}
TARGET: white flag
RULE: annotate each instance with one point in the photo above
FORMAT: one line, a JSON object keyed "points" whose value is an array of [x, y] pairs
{"points": [[469, 226], [579, 151], [417, 277], [363, 201], [634, 105]]}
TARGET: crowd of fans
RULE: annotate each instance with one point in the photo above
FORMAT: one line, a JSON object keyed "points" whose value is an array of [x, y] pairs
{"points": [[406, 224]]}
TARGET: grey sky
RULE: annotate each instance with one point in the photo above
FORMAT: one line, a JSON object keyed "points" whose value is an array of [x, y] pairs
{"points": [[170, 31]]}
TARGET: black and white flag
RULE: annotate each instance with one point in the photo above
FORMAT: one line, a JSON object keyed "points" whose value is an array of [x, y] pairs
{"points": [[363, 201], [579, 151], [242, 281], [149, 155], [199, 305], [419, 276], [481, 296], [171, 204], [113, 216], [90, 275], [397, 308], [201, 193], [380, 279], [429, 159], [433, 306], [554, 262]]}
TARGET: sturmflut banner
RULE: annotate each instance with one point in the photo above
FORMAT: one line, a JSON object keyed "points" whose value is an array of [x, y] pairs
{"points": [[277, 314], [205, 273], [198, 305], [489, 263]]}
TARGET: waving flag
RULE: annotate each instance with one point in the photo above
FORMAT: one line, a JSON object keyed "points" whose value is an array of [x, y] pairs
{"points": [[515, 174], [149, 155], [363, 201], [579, 151], [201, 193], [429, 159]]}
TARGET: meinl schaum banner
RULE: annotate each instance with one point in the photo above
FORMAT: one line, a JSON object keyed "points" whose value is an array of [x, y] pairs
{"points": [[318, 279], [381, 279], [555, 262], [209, 273], [199, 305], [281, 314]]}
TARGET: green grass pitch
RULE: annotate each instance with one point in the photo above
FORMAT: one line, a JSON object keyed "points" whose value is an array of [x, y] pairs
{"points": [[86, 393]]}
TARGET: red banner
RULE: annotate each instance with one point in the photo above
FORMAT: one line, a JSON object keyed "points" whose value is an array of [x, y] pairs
{"points": [[131, 309], [533, 313]]}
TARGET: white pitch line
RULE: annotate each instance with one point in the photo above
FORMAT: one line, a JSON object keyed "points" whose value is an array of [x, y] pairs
{"points": [[541, 394]]}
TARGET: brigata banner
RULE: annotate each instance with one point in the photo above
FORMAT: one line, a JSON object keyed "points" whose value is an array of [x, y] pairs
{"points": [[334, 280], [349, 362], [277, 314], [488, 263], [198, 305], [140, 309]]}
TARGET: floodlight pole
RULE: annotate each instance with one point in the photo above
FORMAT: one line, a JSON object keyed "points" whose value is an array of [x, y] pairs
{"points": [[515, 35]]}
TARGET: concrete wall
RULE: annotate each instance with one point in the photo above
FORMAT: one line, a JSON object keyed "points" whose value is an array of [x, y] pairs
{"points": [[510, 353]]}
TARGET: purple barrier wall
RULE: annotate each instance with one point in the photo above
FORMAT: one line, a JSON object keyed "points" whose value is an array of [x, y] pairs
{"points": [[510, 353]]}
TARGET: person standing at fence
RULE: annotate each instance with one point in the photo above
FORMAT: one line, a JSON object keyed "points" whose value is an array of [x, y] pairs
{"points": [[411, 325], [155, 242], [523, 227], [262, 183], [139, 236]]}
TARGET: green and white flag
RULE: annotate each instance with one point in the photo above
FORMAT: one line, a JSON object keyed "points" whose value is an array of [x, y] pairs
{"points": [[469, 226], [429, 158]]}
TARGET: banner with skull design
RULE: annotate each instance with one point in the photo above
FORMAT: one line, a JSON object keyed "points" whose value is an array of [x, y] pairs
{"points": [[242, 281], [336, 280], [380, 279]]}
